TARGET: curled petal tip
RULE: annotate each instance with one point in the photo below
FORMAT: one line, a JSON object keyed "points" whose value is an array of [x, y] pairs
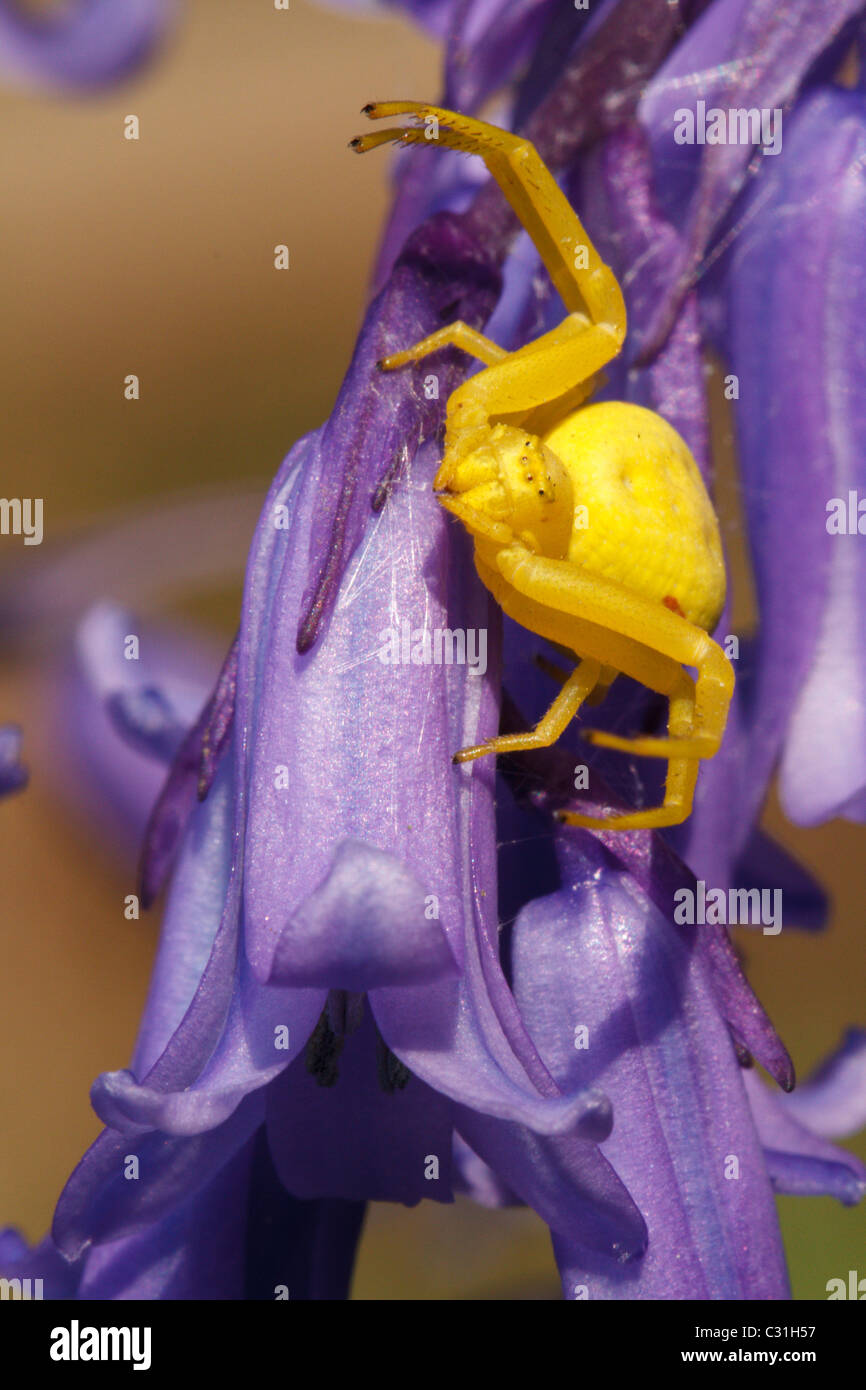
{"points": [[596, 1120], [630, 1254]]}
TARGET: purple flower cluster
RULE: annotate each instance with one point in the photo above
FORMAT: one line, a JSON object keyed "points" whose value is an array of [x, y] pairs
{"points": [[381, 978]]}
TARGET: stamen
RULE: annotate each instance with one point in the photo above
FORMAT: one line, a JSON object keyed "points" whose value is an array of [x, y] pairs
{"points": [[345, 1010], [323, 1051], [393, 1076]]}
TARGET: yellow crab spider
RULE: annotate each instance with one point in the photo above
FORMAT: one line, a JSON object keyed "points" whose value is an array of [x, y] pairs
{"points": [[591, 523]]}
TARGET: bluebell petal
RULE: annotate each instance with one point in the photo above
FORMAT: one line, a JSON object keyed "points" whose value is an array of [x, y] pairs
{"points": [[239, 1236], [765, 864], [102, 1202], [12, 775], [488, 41], [60, 1277], [380, 419], [657, 871], [190, 777], [476, 1179], [832, 1103], [823, 769], [797, 423], [264, 1030], [799, 1162], [194, 1251], [306, 1248], [87, 43], [118, 719], [318, 763], [744, 54], [355, 1140], [367, 925], [210, 1033], [191, 921], [600, 955], [567, 1181], [617, 195]]}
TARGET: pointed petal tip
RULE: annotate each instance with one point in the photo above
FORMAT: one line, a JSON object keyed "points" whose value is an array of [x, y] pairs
{"points": [[364, 927]]}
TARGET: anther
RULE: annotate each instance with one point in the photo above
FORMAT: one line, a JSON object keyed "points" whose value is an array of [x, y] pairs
{"points": [[393, 1076], [323, 1051]]}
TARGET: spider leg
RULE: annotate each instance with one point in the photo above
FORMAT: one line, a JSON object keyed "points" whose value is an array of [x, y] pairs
{"points": [[681, 777], [553, 367], [583, 280], [457, 334], [548, 729], [698, 710], [599, 691], [700, 747], [621, 654]]}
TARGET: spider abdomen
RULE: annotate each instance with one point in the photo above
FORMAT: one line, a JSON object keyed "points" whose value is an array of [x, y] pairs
{"points": [[642, 515]]}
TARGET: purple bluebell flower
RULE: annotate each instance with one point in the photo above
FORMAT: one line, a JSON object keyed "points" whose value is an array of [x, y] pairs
{"points": [[793, 242], [809, 452], [366, 919], [333, 998], [13, 776], [832, 1103], [86, 44], [240, 1237], [131, 707], [700, 1142]]}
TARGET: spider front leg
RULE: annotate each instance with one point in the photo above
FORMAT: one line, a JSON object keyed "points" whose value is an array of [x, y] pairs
{"points": [[586, 284], [564, 364]]}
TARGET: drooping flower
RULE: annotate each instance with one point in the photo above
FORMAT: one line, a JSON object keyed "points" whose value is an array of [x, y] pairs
{"points": [[85, 44], [13, 776], [131, 708]]}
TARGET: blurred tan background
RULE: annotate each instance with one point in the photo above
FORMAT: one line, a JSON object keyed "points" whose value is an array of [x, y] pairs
{"points": [[155, 257]]}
